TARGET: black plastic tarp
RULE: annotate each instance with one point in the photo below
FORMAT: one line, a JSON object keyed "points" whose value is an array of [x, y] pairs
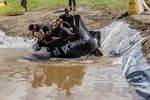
{"points": [[81, 44]]}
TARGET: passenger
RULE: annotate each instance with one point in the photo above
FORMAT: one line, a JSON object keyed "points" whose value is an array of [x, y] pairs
{"points": [[49, 33], [63, 29], [49, 37], [38, 30], [42, 32], [67, 17]]}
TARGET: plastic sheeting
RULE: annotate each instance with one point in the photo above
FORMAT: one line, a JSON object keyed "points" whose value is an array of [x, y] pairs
{"points": [[118, 40]]}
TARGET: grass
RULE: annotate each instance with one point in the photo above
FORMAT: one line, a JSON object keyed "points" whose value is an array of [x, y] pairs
{"points": [[109, 3], [14, 5]]}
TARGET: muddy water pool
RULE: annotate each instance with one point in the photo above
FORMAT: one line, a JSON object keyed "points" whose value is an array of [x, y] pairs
{"points": [[26, 75]]}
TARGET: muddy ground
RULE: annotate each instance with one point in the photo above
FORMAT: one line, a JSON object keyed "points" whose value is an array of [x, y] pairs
{"points": [[17, 25]]}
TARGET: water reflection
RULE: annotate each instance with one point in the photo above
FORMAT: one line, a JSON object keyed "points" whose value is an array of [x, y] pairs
{"points": [[59, 79], [64, 77]]}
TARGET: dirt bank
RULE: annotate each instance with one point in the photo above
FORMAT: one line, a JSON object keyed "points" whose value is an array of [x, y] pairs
{"points": [[94, 19], [141, 23]]}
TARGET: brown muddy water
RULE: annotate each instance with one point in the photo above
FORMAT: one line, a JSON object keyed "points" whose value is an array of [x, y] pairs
{"points": [[59, 79]]}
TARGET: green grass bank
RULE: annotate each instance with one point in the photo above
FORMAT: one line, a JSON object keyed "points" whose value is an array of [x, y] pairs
{"points": [[14, 5]]}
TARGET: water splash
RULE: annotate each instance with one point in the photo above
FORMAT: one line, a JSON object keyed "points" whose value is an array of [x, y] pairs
{"points": [[15, 42]]}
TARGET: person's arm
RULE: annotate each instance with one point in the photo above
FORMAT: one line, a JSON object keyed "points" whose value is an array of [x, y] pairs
{"points": [[74, 24], [54, 21], [67, 26], [42, 35], [73, 20], [69, 32], [34, 34], [70, 29], [53, 39]]}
